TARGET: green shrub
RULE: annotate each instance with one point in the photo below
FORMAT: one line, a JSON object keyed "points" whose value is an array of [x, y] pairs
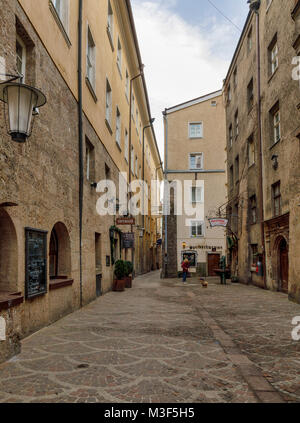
{"points": [[120, 269], [128, 268]]}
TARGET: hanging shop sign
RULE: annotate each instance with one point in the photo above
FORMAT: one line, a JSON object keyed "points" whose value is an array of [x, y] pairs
{"points": [[125, 221], [36, 262], [128, 240], [218, 222]]}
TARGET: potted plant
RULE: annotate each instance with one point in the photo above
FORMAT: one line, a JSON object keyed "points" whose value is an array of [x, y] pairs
{"points": [[128, 274], [119, 283]]}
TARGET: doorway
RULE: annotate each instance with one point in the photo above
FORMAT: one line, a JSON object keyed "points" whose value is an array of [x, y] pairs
{"points": [[283, 262], [213, 261]]}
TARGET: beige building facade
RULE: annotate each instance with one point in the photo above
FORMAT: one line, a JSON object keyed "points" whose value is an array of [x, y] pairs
{"points": [[263, 132], [56, 252], [195, 152]]}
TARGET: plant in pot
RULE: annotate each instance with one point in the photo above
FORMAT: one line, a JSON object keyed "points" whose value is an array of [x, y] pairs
{"points": [[128, 274], [119, 283]]}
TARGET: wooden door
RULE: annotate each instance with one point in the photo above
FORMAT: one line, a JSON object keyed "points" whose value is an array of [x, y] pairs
{"points": [[213, 263], [284, 266]]}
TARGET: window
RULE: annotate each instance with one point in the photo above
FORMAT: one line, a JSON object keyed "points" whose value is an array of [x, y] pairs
{"points": [[237, 169], [110, 22], [118, 127], [236, 120], [21, 57], [235, 78], [137, 119], [136, 166], [62, 10], [126, 146], [196, 130], [132, 105], [91, 59], [213, 103], [197, 195], [98, 252], [251, 151], [273, 56], [276, 194], [230, 136], [119, 57], [231, 177], [197, 229], [254, 255], [108, 103], [275, 123], [249, 40], [132, 160], [127, 85], [236, 217], [250, 95], [90, 161], [253, 208], [229, 97], [196, 161]]}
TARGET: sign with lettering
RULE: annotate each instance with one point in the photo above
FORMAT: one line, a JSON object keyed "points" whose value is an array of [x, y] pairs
{"points": [[125, 221], [36, 262], [218, 222], [128, 240]]}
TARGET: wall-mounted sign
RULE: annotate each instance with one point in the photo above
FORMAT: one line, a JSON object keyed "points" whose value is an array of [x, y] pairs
{"points": [[205, 247], [125, 221], [128, 240], [36, 262], [218, 222]]}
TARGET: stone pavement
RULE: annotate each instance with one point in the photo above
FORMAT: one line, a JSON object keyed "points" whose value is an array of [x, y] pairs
{"points": [[163, 342]]}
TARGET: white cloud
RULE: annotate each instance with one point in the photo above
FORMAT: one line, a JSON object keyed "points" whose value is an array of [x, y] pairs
{"points": [[182, 61]]}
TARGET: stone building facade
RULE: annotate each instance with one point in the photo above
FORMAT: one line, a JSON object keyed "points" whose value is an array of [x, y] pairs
{"points": [[263, 126], [195, 151], [40, 179]]}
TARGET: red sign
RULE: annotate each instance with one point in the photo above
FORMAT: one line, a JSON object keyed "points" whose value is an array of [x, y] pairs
{"points": [[218, 222], [126, 221]]}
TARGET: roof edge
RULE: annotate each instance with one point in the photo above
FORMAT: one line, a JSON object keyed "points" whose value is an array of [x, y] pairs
{"points": [[193, 102]]}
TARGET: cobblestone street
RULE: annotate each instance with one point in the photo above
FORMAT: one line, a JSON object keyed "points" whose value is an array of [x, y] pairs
{"points": [[163, 342]]}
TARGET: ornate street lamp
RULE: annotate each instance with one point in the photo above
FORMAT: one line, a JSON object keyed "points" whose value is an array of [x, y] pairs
{"points": [[22, 103]]}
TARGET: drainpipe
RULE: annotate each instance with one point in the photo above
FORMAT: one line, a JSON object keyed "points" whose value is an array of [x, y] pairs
{"points": [[165, 264], [255, 7], [80, 142]]}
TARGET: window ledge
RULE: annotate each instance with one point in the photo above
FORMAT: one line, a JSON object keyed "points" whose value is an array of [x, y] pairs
{"points": [[60, 283], [108, 126], [91, 89], [10, 299], [110, 39], [275, 143], [272, 76], [252, 165], [59, 23]]}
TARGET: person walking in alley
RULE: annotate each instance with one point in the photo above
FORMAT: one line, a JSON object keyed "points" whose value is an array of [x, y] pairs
{"points": [[185, 267]]}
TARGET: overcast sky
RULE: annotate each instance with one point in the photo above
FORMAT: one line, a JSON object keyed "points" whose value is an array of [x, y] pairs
{"points": [[187, 47]]}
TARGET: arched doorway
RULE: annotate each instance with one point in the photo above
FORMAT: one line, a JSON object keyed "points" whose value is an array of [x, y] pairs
{"points": [[59, 252], [283, 265], [8, 254]]}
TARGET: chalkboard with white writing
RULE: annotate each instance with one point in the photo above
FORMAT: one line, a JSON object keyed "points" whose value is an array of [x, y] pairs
{"points": [[36, 262]]}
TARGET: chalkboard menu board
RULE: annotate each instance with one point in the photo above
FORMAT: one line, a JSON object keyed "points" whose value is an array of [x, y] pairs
{"points": [[128, 240], [36, 262]]}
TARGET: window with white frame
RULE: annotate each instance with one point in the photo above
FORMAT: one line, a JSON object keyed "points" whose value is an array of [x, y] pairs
{"points": [[251, 151], [196, 130], [273, 55], [230, 136], [126, 150], [108, 111], [196, 161], [197, 195], [119, 56], [197, 228], [91, 59], [118, 127], [127, 83], [90, 161], [21, 57], [62, 10], [110, 21], [275, 123], [132, 160], [236, 120]]}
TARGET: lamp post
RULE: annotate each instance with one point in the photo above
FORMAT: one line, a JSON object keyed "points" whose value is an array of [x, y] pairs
{"points": [[143, 179], [22, 103]]}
